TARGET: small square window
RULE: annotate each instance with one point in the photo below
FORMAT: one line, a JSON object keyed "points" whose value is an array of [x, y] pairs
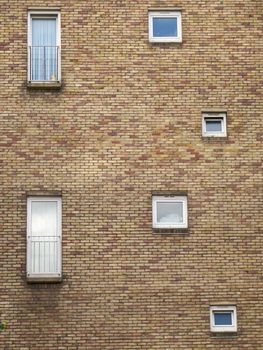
{"points": [[169, 212], [223, 319], [214, 124], [165, 26]]}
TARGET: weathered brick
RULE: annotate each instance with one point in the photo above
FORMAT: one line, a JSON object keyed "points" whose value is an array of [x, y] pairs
{"points": [[127, 122]]}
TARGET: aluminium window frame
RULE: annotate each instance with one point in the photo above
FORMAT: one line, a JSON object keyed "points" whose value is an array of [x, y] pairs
{"points": [[214, 116], [165, 14], [43, 14], [44, 276], [172, 199], [223, 309]]}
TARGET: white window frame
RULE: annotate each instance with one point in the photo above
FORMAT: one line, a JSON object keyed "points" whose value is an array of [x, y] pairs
{"points": [[171, 199], [165, 14], [215, 117], [48, 275], [223, 309], [43, 14]]}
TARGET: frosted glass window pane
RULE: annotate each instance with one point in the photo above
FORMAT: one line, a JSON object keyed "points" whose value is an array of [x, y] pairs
{"points": [[164, 27], [213, 125], [44, 236], [169, 212], [44, 218], [223, 319], [44, 51], [44, 32]]}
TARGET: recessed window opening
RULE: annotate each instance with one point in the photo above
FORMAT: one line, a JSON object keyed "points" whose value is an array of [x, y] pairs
{"points": [[43, 237], [169, 212], [214, 124], [44, 46], [223, 319], [165, 26]]}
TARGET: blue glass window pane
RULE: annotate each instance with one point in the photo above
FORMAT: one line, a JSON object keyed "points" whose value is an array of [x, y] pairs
{"points": [[223, 319], [213, 125], [163, 27]]}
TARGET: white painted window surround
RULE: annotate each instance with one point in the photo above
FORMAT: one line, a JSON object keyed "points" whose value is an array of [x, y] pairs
{"points": [[44, 46], [223, 319], [44, 237], [214, 124], [165, 26], [169, 212]]}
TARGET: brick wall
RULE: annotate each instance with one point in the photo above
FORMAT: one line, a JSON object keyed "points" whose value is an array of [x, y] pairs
{"points": [[127, 122]]}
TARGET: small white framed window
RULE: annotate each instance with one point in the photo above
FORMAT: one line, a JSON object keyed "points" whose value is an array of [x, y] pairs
{"points": [[44, 46], [44, 248], [214, 124], [165, 26], [169, 212], [223, 319]]}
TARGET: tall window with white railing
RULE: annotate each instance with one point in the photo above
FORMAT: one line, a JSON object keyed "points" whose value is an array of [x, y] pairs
{"points": [[44, 238], [44, 46]]}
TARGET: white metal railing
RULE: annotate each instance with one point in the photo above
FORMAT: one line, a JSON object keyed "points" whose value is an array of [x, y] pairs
{"points": [[44, 63], [44, 254]]}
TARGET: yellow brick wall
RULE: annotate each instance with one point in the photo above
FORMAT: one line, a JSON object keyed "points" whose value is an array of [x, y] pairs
{"points": [[127, 122]]}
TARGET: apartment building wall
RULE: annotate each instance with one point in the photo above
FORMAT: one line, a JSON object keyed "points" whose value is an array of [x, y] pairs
{"points": [[125, 124]]}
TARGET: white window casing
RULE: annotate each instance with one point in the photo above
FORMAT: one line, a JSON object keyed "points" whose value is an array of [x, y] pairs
{"points": [[37, 53], [44, 238], [165, 14], [223, 328], [170, 221], [214, 117]]}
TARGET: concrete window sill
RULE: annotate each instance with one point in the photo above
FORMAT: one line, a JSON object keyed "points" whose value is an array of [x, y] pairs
{"points": [[224, 335], [167, 231], [44, 84], [44, 279]]}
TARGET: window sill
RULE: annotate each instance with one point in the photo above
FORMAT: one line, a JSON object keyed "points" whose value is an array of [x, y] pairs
{"points": [[166, 231], [214, 136], [212, 139], [224, 335], [44, 84], [43, 279], [165, 43]]}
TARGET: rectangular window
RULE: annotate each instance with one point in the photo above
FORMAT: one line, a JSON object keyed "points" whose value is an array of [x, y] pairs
{"points": [[44, 46], [214, 124], [43, 237], [169, 211], [165, 26], [223, 319]]}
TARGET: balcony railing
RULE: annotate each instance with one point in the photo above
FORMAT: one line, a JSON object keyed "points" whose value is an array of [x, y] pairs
{"points": [[44, 63], [44, 254]]}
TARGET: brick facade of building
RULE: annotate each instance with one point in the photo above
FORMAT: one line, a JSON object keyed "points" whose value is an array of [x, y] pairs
{"points": [[126, 124]]}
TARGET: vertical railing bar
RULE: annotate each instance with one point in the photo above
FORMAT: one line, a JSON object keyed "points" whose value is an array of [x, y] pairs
{"points": [[45, 63], [57, 62], [33, 256], [49, 256], [35, 267], [30, 62], [54, 248], [44, 248], [56, 254], [39, 257]]}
